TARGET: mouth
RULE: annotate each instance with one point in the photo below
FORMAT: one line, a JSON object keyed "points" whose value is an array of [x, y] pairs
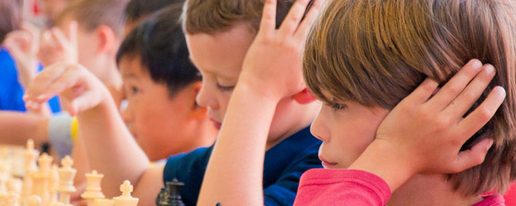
{"points": [[216, 123], [327, 164]]}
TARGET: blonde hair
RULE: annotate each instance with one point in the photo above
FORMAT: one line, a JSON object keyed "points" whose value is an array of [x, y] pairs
{"points": [[93, 13], [202, 16], [376, 52]]}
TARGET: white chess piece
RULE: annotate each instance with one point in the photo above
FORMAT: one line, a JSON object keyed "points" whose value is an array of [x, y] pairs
{"points": [[126, 199], [14, 185], [12, 199], [93, 189], [66, 175], [104, 202], [34, 200], [29, 167], [54, 184], [41, 179]]}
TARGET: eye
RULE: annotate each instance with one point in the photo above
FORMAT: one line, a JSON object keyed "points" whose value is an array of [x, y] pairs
{"points": [[337, 106], [225, 88], [135, 90]]}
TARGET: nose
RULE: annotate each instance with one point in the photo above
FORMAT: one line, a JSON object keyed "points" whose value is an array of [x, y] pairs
{"points": [[206, 97], [319, 128], [127, 113]]}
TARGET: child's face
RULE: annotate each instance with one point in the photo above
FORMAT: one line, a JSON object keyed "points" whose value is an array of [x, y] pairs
{"points": [[161, 125], [346, 129], [219, 57]]}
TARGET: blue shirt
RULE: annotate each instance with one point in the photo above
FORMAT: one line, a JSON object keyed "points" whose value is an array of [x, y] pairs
{"points": [[11, 92], [283, 166]]}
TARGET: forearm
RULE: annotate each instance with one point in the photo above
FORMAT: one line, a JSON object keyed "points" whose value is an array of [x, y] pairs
{"points": [[16, 128], [110, 149], [234, 173]]}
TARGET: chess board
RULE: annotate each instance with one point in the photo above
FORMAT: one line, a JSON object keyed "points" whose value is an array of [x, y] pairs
{"points": [[30, 179]]}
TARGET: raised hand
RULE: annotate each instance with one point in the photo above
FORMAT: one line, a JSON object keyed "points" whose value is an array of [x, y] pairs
{"points": [[74, 83], [56, 46], [274, 61], [23, 45], [425, 132]]}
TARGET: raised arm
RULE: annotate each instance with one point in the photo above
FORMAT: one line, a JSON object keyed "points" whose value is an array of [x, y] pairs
{"points": [[271, 72], [110, 149]]}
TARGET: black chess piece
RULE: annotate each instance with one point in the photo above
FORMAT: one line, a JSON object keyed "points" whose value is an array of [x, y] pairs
{"points": [[171, 196]]}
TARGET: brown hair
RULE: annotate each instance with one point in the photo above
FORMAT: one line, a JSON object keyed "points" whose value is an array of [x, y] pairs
{"points": [[93, 13], [10, 16], [376, 52], [202, 16]]}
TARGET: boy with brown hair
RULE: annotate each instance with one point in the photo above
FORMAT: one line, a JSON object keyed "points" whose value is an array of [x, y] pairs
{"points": [[364, 57]]}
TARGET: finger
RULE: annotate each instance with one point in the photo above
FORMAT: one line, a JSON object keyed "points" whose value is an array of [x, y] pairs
{"points": [[83, 102], [308, 21], [456, 85], [482, 114], [473, 91], [44, 79], [61, 39], [72, 34], [422, 92], [293, 18], [32, 30], [67, 80], [472, 157], [268, 23]]}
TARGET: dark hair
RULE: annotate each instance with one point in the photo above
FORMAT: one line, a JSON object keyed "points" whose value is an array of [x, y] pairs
{"points": [[10, 16], [94, 13], [138, 9], [161, 46]]}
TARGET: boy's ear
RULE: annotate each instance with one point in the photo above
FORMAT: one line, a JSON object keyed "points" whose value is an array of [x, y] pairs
{"points": [[198, 112], [107, 39], [304, 97]]}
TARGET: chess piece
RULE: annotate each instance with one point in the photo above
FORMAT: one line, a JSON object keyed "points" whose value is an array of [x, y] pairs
{"points": [[5, 174], [104, 202], [53, 183], [12, 199], [126, 199], [93, 189], [29, 167], [34, 200], [41, 179], [173, 194], [14, 185], [66, 175]]}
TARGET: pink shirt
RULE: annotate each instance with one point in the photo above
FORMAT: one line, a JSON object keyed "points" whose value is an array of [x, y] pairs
{"points": [[352, 187]]}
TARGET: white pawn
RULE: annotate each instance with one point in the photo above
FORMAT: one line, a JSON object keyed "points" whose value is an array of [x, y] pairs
{"points": [[29, 167], [126, 199], [66, 175], [104, 202], [34, 200], [93, 189]]}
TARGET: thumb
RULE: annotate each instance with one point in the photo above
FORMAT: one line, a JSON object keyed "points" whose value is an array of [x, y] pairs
{"points": [[472, 157]]}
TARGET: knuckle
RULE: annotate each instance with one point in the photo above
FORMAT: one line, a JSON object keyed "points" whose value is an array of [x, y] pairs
{"points": [[453, 89]]}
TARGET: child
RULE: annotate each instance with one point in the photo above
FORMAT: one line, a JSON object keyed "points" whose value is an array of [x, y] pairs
{"points": [[118, 157], [266, 69], [157, 72], [356, 49]]}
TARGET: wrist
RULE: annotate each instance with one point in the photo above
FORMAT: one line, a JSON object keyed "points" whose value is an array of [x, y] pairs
{"points": [[386, 161], [258, 90]]}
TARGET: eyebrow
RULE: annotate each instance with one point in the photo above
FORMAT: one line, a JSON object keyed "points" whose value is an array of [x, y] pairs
{"points": [[130, 76]]}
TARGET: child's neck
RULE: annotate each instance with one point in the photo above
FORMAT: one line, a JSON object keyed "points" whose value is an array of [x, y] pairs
{"points": [[429, 190]]}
